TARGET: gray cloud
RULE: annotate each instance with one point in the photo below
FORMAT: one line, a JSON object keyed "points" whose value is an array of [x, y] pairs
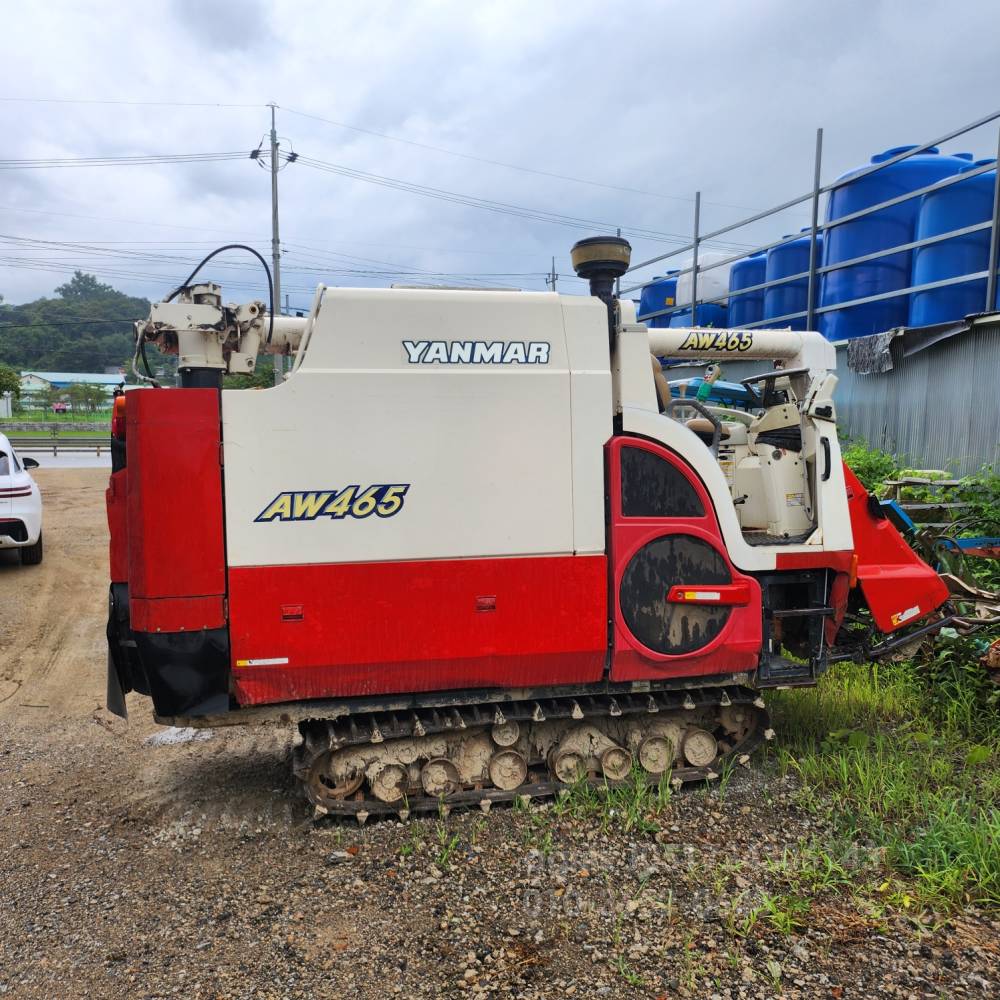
{"points": [[722, 97]]}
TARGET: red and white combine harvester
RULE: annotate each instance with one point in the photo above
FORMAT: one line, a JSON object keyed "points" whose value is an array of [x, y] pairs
{"points": [[475, 550]]}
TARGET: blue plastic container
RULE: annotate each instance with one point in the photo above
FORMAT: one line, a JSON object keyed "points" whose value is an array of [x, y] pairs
{"points": [[748, 308], [661, 294], [709, 314], [963, 204], [887, 228], [793, 296]]}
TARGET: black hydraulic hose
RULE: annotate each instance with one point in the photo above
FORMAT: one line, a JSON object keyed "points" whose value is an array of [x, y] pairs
{"points": [[145, 360], [214, 253]]}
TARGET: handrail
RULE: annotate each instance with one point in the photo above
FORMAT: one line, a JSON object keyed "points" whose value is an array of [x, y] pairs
{"points": [[816, 269]]}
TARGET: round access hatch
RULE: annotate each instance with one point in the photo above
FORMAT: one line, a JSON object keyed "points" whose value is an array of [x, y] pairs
{"points": [[672, 629]]}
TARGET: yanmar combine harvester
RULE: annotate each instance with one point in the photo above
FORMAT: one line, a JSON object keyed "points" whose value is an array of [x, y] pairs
{"points": [[473, 547]]}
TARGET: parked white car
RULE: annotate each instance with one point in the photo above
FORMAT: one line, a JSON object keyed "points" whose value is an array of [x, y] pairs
{"points": [[20, 505]]}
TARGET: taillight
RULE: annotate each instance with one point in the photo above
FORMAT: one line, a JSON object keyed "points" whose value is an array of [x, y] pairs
{"points": [[118, 418]]}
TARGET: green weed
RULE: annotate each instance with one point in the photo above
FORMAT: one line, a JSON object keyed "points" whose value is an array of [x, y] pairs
{"points": [[908, 755], [447, 843]]}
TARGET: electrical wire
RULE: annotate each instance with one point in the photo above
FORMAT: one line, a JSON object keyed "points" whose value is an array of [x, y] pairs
{"points": [[503, 208], [501, 163], [136, 104], [61, 323], [119, 161]]}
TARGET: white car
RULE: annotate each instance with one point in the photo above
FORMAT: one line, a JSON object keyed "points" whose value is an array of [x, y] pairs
{"points": [[20, 505]]}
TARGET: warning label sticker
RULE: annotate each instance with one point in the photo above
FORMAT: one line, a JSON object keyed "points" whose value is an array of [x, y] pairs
{"points": [[795, 500]]}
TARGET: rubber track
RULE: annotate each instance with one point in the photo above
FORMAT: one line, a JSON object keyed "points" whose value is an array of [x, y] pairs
{"points": [[320, 736]]}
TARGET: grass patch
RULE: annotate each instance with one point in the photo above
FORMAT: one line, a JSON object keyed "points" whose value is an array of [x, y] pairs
{"points": [[634, 805], [907, 756], [50, 417]]}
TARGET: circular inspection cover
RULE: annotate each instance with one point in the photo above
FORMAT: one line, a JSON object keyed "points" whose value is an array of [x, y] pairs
{"points": [[667, 628]]}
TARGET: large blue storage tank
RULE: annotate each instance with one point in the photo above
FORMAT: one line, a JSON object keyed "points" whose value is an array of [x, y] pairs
{"points": [[709, 314], [748, 308], [661, 294], [793, 296], [889, 227], [959, 205]]}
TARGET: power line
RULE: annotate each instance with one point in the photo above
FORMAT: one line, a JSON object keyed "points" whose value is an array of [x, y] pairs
{"points": [[138, 104], [499, 163], [19, 210], [119, 161], [503, 208], [388, 269], [374, 132], [75, 322]]}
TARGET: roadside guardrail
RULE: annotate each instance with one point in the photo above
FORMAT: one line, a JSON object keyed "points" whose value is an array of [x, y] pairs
{"points": [[54, 444]]}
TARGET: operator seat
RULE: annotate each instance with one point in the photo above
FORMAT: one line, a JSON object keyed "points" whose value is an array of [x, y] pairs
{"points": [[701, 427], [704, 429]]}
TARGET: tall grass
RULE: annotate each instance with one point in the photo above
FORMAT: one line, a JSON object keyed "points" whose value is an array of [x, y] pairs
{"points": [[908, 756]]}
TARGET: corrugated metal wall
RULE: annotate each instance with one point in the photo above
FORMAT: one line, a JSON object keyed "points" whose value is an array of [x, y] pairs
{"points": [[937, 409]]}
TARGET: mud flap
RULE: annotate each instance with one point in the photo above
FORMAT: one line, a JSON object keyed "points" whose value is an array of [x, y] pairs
{"points": [[125, 671], [898, 586], [116, 690]]}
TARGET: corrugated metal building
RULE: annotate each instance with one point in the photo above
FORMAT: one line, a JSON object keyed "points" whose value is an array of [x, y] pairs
{"points": [[938, 403]]}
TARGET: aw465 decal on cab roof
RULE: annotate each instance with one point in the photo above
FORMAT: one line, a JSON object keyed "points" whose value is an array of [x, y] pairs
{"points": [[383, 500]]}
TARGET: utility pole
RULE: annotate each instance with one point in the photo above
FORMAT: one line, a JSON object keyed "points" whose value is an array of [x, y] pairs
{"points": [[618, 280], [279, 363], [553, 277]]}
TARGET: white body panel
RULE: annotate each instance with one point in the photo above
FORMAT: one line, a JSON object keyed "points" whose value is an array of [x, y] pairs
{"points": [[14, 478], [499, 459]]}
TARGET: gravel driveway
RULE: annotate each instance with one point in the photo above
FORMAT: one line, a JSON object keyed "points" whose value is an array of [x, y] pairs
{"points": [[179, 867]]}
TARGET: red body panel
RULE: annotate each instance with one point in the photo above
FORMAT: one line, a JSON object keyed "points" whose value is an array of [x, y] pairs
{"points": [[737, 647], [898, 585], [116, 500], [376, 628], [176, 551], [177, 614]]}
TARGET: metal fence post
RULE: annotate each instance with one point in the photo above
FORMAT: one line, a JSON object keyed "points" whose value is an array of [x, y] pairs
{"points": [[991, 278], [811, 293], [694, 259]]}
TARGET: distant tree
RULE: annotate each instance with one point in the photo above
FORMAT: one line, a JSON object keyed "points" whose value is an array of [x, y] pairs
{"points": [[95, 397], [84, 287], [76, 392], [10, 381], [262, 377], [48, 396], [85, 328]]}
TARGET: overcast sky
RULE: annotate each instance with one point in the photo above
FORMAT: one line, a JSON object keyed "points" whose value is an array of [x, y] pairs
{"points": [[663, 98]]}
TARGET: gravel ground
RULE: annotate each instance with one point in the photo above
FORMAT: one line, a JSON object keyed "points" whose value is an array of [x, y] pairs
{"points": [[190, 868]]}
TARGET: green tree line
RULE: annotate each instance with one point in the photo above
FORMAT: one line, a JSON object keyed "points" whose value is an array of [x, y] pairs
{"points": [[85, 328]]}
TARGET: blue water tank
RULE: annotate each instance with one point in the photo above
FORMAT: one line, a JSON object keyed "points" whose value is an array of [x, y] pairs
{"points": [[959, 205], [661, 294], [709, 314], [793, 296], [889, 227], [748, 308]]}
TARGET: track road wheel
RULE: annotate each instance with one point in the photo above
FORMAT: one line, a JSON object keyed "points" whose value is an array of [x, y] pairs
{"points": [[440, 777], [389, 784], [321, 790], [508, 769], [700, 747], [31, 555]]}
